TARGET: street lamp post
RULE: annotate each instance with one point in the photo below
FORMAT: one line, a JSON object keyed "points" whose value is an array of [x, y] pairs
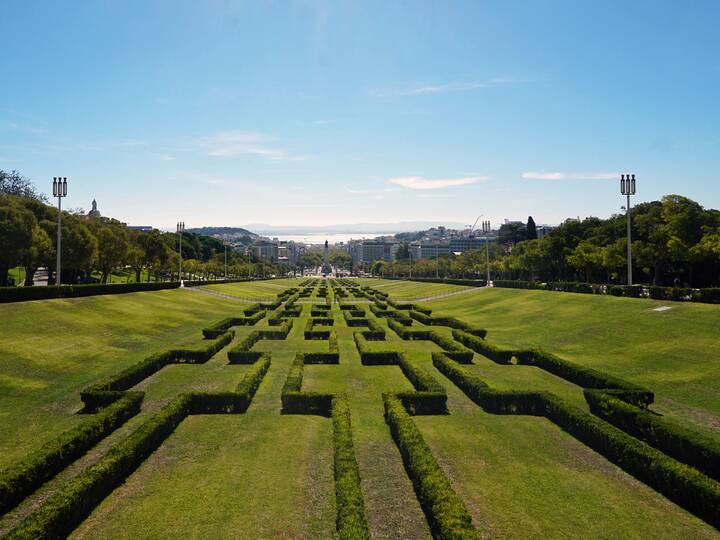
{"points": [[627, 187], [410, 253], [59, 191], [180, 230], [437, 262], [225, 244], [486, 232]]}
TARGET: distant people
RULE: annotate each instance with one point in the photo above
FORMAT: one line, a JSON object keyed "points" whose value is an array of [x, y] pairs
{"points": [[676, 282]]}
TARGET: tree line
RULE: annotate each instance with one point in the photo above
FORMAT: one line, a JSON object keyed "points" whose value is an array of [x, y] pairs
{"points": [[93, 249], [674, 241]]}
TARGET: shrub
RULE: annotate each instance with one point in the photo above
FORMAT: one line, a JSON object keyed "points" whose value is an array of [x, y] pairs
{"points": [[481, 346], [351, 523], [101, 394], [21, 479], [687, 445], [584, 376], [680, 483], [447, 516], [60, 513]]}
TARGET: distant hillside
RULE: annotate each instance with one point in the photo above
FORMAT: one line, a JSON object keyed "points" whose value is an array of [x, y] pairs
{"points": [[226, 231]]}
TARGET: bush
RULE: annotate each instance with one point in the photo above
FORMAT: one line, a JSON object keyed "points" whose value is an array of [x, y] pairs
{"points": [[351, 522], [215, 330], [584, 376], [101, 394], [687, 445], [21, 479], [680, 483], [22, 294], [447, 516], [481, 346], [71, 504]]}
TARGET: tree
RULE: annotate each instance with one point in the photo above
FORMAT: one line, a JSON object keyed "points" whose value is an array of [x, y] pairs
{"points": [[585, 257], [340, 259], [531, 229], [13, 183], [512, 233], [79, 249], [113, 248], [16, 233]]}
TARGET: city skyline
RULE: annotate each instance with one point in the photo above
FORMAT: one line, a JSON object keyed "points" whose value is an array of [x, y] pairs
{"points": [[322, 113]]}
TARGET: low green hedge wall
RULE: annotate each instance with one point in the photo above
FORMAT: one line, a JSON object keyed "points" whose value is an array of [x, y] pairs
{"points": [[481, 346], [351, 521], [101, 394], [452, 322], [584, 376], [680, 483], [215, 330], [687, 445], [21, 479], [65, 509], [447, 516]]}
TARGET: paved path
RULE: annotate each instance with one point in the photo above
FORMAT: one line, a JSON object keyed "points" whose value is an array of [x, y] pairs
{"points": [[445, 295]]}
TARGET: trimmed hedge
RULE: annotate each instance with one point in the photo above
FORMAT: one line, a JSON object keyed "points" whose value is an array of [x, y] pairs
{"points": [[23, 294], [680, 483], [452, 322], [447, 516], [584, 376], [70, 505], [65, 509], [218, 328], [687, 445], [481, 346], [242, 354], [21, 479], [103, 393], [351, 521]]}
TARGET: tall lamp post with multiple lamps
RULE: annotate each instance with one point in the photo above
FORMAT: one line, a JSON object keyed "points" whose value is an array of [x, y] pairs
{"points": [[627, 187], [59, 191], [180, 231], [486, 232], [225, 244]]}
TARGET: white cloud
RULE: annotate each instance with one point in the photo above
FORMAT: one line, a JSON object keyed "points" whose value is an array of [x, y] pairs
{"points": [[557, 175], [453, 86], [248, 143], [419, 182]]}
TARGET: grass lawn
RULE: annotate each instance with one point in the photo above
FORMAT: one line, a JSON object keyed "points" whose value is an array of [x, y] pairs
{"points": [[266, 475]]}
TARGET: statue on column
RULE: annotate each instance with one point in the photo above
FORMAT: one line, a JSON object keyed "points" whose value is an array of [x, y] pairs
{"points": [[326, 269]]}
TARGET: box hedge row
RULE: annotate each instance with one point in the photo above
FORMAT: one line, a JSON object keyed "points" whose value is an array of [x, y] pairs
{"points": [[60, 513], [101, 394], [481, 346], [680, 483], [452, 322], [447, 516], [21, 479], [690, 446]]}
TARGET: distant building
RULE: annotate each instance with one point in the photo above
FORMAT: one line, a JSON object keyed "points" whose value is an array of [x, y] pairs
{"points": [[143, 228], [373, 250], [461, 244], [266, 250], [94, 213]]}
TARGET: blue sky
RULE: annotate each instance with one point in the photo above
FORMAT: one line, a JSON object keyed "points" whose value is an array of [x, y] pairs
{"points": [[310, 112]]}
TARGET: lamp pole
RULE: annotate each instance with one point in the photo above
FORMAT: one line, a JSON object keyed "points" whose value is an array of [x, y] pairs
{"points": [[437, 262], [411, 261], [486, 231], [59, 191], [180, 230], [627, 188], [225, 244]]}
